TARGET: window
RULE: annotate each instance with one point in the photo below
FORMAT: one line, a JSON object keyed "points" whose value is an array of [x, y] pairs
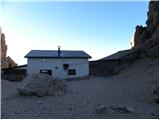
{"points": [[71, 72], [65, 66], [56, 67], [49, 72], [44, 60]]}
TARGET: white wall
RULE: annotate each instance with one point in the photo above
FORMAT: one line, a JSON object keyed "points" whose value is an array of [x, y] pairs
{"points": [[81, 66]]}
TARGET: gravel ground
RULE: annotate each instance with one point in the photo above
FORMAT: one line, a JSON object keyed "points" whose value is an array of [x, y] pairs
{"points": [[132, 88]]}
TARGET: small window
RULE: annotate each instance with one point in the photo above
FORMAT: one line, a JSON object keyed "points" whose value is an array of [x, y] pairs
{"points": [[65, 66], [72, 72], [44, 60], [49, 72]]}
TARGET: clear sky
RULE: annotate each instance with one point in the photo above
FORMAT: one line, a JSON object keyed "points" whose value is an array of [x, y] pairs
{"points": [[98, 28]]}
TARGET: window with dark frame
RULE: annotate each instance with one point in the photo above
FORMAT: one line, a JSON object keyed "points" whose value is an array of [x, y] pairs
{"points": [[65, 66], [71, 72]]}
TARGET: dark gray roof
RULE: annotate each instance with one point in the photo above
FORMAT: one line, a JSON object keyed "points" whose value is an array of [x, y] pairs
{"points": [[117, 55], [54, 54]]}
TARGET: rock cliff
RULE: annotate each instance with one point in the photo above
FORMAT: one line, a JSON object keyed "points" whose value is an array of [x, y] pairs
{"points": [[145, 44], [147, 38], [6, 61]]}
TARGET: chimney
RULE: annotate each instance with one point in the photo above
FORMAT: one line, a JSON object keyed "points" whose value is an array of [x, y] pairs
{"points": [[59, 51]]}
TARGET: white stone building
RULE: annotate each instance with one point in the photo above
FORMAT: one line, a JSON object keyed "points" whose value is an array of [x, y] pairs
{"points": [[60, 64]]}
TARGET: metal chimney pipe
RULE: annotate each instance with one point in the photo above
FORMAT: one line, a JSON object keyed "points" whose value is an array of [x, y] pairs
{"points": [[59, 51]]}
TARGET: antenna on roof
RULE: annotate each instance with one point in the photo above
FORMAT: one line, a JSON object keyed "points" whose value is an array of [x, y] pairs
{"points": [[59, 51]]}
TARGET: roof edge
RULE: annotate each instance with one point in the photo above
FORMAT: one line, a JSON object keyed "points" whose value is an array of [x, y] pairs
{"points": [[57, 57]]}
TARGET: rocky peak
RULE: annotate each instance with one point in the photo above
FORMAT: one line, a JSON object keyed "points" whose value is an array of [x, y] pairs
{"points": [[3, 46], [6, 61], [147, 38]]}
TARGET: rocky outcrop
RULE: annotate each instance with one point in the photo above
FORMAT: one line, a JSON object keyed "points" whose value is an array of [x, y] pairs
{"points": [[6, 62], [145, 43], [42, 85], [3, 46], [147, 38]]}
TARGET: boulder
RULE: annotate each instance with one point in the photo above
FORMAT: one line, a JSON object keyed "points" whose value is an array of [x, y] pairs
{"points": [[102, 109], [42, 85]]}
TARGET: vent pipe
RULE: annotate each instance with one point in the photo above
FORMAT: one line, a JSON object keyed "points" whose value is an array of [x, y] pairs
{"points": [[59, 51]]}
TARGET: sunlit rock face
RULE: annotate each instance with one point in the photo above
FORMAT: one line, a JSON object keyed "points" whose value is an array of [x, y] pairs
{"points": [[6, 62], [147, 37], [3, 46]]}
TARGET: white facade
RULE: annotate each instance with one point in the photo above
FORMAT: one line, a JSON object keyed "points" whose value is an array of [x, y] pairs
{"points": [[80, 65]]}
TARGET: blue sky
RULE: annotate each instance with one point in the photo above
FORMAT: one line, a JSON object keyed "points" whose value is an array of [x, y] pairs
{"points": [[99, 28]]}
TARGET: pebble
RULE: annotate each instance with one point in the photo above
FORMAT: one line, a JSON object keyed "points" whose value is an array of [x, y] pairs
{"points": [[16, 112], [39, 102], [71, 108], [102, 109], [130, 109]]}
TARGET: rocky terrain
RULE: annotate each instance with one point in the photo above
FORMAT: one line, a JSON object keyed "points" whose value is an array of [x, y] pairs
{"points": [[133, 93], [127, 95], [146, 39], [6, 61]]}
